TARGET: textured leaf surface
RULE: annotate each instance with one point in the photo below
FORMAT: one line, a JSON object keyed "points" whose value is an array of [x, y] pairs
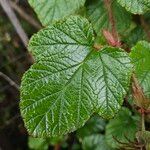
{"points": [[49, 11], [111, 72], [98, 15], [140, 55], [70, 81], [135, 6], [147, 3], [95, 142], [122, 126]]}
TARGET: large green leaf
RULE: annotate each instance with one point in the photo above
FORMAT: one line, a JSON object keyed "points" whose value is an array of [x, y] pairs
{"points": [[70, 81], [135, 6], [49, 11], [95, 142], [124, 126], [140, 55], [98, 15]]}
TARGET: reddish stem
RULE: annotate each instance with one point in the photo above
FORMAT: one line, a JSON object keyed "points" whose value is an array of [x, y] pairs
{"points": [[98, 47], [108, 5]]}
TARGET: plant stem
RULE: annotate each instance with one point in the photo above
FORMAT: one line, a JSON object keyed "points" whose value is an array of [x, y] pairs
{"points": [[10, 81], [16, 23], [14, 20], [25, 16], [98, 46], [143, 121], [108, 4]]}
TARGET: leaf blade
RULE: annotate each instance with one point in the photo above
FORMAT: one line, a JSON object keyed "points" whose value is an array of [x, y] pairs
{"points": [[117, 128], [98, 15], [62, 89], [54, 10], [140, 55], [136, 6]]}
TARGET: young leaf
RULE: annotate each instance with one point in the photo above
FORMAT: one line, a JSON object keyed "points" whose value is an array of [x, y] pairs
{"points": [[98, 15], [70, 81], [121, 128], [49, 11], [135, 6], [140, 55]]}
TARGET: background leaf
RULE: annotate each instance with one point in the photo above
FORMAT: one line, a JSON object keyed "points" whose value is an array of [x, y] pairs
{"points": [[95, 142], [136, 6], [140, 55], [49, 11], [98, 15], [122, 126], [134, 36], [94, 125], [38, 143]]}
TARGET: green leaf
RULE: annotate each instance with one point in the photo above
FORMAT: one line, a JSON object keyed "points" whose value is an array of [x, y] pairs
{"points": [[143, 136], [44, 143], [95, 142], [134, 36], [122, 126], [140, 55], [49, 11], [76, 146], [38, 143], [70, 81], [98, 15], [135, 6], [147, 3], [94, 125]]}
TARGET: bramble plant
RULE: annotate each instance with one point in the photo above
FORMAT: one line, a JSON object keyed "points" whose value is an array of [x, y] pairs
{"points": [[91, 57]]}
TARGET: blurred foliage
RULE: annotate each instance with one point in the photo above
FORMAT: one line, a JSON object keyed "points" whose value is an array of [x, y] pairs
{"points": [[122, 128]]}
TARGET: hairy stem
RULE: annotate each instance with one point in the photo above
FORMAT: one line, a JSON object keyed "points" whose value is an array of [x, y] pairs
{"points": [[108, 4]]}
